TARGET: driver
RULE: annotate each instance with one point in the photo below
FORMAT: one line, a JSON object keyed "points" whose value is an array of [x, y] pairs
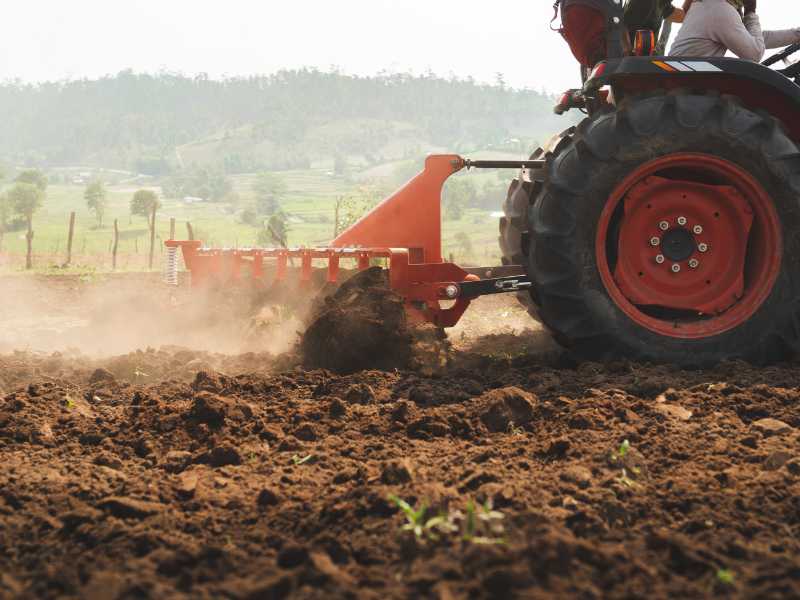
{"points": [[712, 27]]}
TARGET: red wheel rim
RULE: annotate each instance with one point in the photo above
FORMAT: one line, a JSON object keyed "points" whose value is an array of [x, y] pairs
{"points": [[689, 246]]}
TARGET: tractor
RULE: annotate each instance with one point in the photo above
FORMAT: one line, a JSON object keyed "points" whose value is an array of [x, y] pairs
{"points": [[665, 227]]}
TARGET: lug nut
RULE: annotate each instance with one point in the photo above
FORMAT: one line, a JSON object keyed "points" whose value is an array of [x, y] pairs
{"points": [[660, 259], [654, 241], [682, 221], [698, 229], [451, 291], [702, 247], [676, 268], [663, 226], [694, 263]]}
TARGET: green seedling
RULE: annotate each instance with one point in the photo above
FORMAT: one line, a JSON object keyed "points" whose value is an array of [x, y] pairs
{"points": [[483, 524], [297, 460], [418, 523], [726, 577], [514, 430], [622, 451], [69, 402]]}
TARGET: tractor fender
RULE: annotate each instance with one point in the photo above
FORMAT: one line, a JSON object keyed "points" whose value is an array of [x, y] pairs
{"points": [[758, 87]]}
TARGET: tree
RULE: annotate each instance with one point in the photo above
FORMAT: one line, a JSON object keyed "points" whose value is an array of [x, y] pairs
{"points": [[276, 231], [26, 199], [269, 189], [249, 217], [219, 186], [33, 177], [459, 194], [95, 196], [143, 202]]}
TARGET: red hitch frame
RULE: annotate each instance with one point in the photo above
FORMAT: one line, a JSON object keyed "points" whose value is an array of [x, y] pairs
{"points": [[405, 230]]}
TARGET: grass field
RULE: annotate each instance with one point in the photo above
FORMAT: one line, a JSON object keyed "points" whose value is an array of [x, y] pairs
{"points": [[309, 203]]}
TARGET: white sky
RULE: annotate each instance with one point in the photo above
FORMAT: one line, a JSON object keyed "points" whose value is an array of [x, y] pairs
{"points": [[57, 39]]}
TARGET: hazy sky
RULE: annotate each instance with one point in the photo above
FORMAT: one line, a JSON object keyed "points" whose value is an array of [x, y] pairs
{"points": [[55, 39]]}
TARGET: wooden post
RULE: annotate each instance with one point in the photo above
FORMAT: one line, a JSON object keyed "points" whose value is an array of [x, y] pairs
{"points": [[29, 240], [336, 217], [115, 246], [152, 237], [69, 238], [172, 228], [190, 231]]}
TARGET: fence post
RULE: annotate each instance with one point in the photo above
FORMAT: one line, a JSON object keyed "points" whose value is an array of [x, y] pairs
{"points": [[172, 228], [69, 238], [190, 231], [116, 245], [152, 237]]}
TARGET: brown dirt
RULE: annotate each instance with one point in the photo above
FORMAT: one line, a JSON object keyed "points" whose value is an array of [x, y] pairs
{"points": [[362, 325], [186, 473]]}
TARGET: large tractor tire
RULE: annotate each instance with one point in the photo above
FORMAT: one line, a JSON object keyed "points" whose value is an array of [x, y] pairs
{"points": [[514, 223], [667, 231]]}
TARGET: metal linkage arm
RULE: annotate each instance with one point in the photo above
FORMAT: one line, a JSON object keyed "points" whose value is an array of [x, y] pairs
{"points": [[504, 164]]}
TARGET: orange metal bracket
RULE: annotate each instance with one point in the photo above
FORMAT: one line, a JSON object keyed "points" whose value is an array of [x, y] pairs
{"points": [[411, 217]]}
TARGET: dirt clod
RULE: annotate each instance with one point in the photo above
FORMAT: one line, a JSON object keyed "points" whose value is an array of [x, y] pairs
{"points": [[507, 408], [770, 426], [129, 508], [267, 497]]}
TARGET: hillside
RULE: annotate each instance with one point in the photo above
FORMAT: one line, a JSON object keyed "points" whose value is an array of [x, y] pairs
{"points": [[161, 123]]}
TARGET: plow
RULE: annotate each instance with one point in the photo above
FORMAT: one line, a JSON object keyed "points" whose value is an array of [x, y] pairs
{"points": [[403, 233], [661, 228]]}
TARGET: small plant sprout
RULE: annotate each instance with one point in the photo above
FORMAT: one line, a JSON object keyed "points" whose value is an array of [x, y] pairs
{"points": [[69, 402], [726, 577], [418, 523], [297, 460], [514, 430], [483, 524], [139, 374], [622, 451]]}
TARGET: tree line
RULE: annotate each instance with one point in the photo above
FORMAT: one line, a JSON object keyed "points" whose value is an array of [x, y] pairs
{"points": [[136, 121]]}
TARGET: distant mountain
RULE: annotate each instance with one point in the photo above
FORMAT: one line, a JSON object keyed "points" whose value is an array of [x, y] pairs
{"points": [[161, 123]]}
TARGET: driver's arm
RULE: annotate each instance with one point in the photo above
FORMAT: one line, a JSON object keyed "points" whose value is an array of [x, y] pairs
{"points": [[782, 38], [772, 39], [742, 37]]}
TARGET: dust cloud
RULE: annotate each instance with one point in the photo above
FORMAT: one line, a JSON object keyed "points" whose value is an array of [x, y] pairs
{"points": [[113, 315]]}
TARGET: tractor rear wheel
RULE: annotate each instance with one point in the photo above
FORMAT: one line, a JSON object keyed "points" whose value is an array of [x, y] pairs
{"points": [[514, 223], [667, 231]]}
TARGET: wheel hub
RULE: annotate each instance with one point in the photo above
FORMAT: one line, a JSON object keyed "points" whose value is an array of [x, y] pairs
{"points": [[678, 244], [683, 245]]}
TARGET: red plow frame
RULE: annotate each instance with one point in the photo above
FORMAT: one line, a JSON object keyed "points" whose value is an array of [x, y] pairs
{"points": [[404, 230]]}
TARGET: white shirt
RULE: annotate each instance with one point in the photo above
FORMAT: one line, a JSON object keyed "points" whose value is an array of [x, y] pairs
{"points": [[712, 27]]}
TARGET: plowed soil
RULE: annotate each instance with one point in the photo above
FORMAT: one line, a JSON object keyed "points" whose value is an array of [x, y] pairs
{"points": [[178, 472]]}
